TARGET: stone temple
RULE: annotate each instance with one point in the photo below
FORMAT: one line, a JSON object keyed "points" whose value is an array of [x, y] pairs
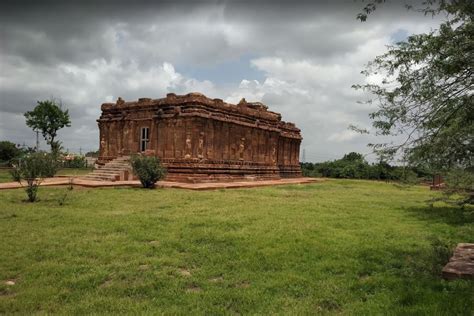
{"points": [[201, 139]]}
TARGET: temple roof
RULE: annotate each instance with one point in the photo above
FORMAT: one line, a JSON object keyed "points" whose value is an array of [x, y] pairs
{"points": [[255, 110]]}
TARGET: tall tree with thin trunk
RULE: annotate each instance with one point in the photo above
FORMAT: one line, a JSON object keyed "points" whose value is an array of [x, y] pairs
{"points": [[48, 117]]}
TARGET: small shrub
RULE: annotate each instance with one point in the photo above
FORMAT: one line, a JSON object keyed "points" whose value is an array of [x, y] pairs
{"points": [[51, 164], [75, 162], [62, 199], [441, 252], [32, 169], [148, 170]]}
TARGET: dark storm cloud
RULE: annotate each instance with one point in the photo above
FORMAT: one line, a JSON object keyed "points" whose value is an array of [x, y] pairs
{"points": [[306, 55], [73, 31]]}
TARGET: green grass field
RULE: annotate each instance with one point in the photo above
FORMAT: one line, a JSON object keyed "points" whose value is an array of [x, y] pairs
{"points": [[6, 177], [336, 247]]}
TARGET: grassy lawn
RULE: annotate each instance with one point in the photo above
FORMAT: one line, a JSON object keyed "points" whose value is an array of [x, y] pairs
{"points": [[5, 174], [74, 171], [338, 247]]}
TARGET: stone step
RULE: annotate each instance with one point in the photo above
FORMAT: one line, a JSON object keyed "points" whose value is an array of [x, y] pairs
{"points": [[115, 165], [112, 171], [106, 174], [118, 170], [99, 178], [120, 159]]}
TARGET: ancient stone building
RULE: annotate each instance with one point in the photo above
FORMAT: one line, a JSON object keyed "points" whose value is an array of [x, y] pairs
{"points": [[202, 139]]}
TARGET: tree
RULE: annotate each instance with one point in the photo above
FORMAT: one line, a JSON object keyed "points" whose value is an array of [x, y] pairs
{"points": [[32, 169], [48, 117], [353, 156], [93, 154], [148, 169], [427, 91], [8, 151]]}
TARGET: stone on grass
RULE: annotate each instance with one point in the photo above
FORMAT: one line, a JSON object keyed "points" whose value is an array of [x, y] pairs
{"points": [[461, 264]]}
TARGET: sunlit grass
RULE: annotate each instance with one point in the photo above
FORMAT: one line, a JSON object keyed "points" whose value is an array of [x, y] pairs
{"points": [[346, 247], [6, 177]]}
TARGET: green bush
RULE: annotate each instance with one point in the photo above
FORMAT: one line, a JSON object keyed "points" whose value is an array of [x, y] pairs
{"points": [[459, 187], [75, 162], [32, 169], [354, 166], [8, 151], [148, 170], [51, 164]]}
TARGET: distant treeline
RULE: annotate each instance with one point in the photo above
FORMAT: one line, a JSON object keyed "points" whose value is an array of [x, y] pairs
{"points": [[354, 166]]}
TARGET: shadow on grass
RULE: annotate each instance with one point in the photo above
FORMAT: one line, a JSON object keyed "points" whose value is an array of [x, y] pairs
{"points": [[454, 216], [412, 277]]}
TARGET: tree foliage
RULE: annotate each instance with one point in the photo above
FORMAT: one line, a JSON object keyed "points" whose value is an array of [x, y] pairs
{"points": [[48, 117], [148, 169], [74, 162], [8, 151], [354, 166], [426, 95]]}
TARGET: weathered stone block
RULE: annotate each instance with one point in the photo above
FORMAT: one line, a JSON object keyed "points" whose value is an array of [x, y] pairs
{"points": [[461, 264]]}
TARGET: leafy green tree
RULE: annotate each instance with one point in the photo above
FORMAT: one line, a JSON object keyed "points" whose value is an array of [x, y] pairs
{"points": [[93, 154], [148, 169], [48, 117], [460, 181], [426, 95], [354, 166], [32, 169], [353, 156], [8, 151]]}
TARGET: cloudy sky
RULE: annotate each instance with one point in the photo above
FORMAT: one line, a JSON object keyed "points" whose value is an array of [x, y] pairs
{"points": [[300, 58]]}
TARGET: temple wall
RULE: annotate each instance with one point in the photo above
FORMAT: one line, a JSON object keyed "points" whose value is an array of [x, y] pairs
{"points": [[199, 138], [192, 141]]}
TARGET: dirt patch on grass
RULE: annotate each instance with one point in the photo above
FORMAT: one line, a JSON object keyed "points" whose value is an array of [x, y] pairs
{"points": [[193, 288], [107, 282], [10, 282], [217, 279], [243, 285], [184, 272]]}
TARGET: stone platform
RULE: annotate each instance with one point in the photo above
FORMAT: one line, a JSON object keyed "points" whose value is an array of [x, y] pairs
{"points": [[461, 264], [77, 181]]}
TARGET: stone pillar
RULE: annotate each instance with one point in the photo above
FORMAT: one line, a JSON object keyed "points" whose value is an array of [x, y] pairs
{"points": [[107, 137], [226, 142], [209, 146], [298, 144]]}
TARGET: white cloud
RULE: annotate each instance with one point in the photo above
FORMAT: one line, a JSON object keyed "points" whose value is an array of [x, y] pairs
{"points": [[309, 55], [343, 136]]}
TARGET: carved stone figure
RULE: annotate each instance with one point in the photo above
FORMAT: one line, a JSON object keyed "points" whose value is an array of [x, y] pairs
{"points": [[241, 148], [103, 147], [188, 146], [201, 145]]}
